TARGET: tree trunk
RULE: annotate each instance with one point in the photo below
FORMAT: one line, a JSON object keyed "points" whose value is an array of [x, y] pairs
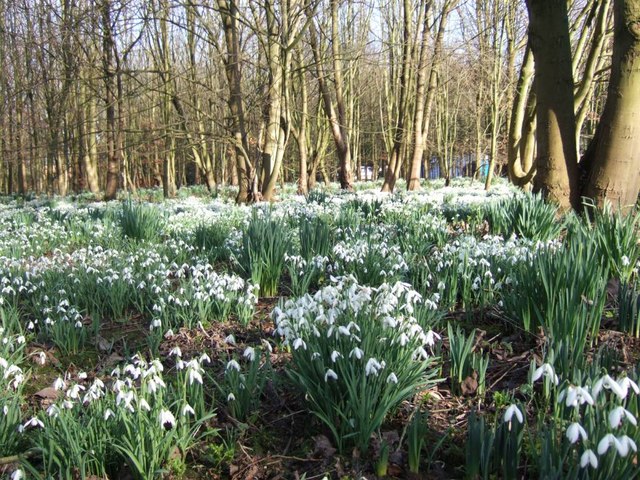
{"points": [[611, 166], [246, 174], [113, 155], [425, 92], [399, 134], [335, 114], [521, 170], [556, 162]]}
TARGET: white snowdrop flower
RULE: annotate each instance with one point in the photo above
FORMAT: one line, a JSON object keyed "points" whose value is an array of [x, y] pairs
{"points": [[133, 371], [108, 413], [42, 358], [315, 356], [330, 374], [74, 392], [3, 363], [575, 396], [5, 410], [230, 340], [67, 404], [607, 441], [420, 353], [266, 345], [575, 432], [157, 365], [372, 367], [205, 358], [335, 355], [188, 410], [344, 331], [144, 405], [403, 340], [175, 351], [232, 364], [356, 352], [59, 384], [547, 371], [610, 384], [588, 458], [627, 444], [298, 342], [195, 376], [17, 474], [30, 326], [167, 420], [33, 422], [392, 378], [431, 337], [617, 414], [169, 334], [231, 397], [625, 261], [622, 444], [82, 375], [510, 412], [78, 324], [625, 383], [53, 411], [249, 353]]}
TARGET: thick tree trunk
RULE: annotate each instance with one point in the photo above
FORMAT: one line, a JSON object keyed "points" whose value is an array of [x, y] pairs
{"points": [[556, 162], [611, 166]]}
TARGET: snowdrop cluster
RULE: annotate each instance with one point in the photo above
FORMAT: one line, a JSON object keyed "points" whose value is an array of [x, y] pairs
{"points": [[600, 415], [356, 347]]}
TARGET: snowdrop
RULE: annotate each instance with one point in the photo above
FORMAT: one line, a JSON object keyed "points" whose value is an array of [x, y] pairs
{"points": [[622, 444], [618, 414], [373, 367], [575, 432], [249, 353], [233, 364], [188, 410], [588, 458], [606, 382], [575, 396], [167, 420], [545, 370], [330, 374], [510, 412]]}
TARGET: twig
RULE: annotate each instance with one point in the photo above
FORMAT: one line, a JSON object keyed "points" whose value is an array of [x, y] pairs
{"points": [[16, 458]]}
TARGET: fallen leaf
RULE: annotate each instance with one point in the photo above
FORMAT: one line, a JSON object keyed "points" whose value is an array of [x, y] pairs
{"points": [[48, 393], [322, 447], [469, 385]]}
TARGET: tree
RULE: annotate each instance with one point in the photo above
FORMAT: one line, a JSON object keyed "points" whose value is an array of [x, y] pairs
{"points": [[427, 84], [610, 168], [556, 162], [247, 180], [611, 165], [336, 112]]}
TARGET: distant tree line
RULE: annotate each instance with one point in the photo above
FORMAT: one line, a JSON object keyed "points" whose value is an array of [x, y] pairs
{"points": [[109, 95]]}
